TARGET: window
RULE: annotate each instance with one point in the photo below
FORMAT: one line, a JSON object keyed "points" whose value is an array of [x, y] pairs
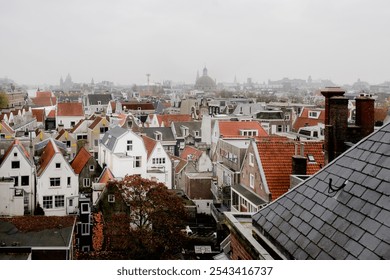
{"points": [[196, 132], [158, 160], [129, 146], [15, 164], [315, 133], [111, 198], [67, 143], [137, 161], [287, 117], [96, 142], [25, 180], [280, 128], [18, 192], [72, 123], [47, 202], [85, 249], [15, 154], [58, 165], [86, 182], [85, 229], [70, 202], [91, 168], [314, 114], [158, 136], [55, 182], [311, 158], [85, 208], [103, 129], [82, 137], [2, 136], [59, 201], [252, 181], [16, 180], [68, 181], [251, 159], [99, 103]]}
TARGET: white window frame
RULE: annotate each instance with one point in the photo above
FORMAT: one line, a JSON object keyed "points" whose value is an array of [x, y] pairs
{"points": [[87, 211], [55, 181], [86, 182], [111, 198], [85, 228], [129, 145], [47, 200], [59, 199], [252, 180], [251, 159]]}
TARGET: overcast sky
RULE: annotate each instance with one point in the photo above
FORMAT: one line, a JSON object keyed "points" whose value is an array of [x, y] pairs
{"points": [[122, 40]]}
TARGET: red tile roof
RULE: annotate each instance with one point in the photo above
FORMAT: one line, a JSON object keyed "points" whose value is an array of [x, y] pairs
{"points": [[106, 176], [276, 158], [80, 160], [135, 106], [229, 129], [44, 101], [6, 127], [179, 163], [52, 114], [166, 120], [15, 143], [48, 153], [43, 94], [113, 106], [304, 120], [70, 109], [192, 152], [149, 144], [39, 114]]}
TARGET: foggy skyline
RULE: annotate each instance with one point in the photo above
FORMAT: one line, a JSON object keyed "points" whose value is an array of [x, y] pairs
{"points": [[121, 41]]}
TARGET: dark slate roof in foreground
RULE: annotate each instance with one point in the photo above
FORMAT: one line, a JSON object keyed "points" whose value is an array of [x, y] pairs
{"points": [[352, 223]]}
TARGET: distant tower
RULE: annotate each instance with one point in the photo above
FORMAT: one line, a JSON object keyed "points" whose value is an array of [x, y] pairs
{"points": [[147, 79], [197, 76], [309, 80], [205, 71]]}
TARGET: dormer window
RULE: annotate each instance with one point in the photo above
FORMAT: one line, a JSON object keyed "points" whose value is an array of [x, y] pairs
{"points": [[99, 103], [196, 132], [246, 132], [314, 114], [158, 136], [185, 130], [311, 158]]}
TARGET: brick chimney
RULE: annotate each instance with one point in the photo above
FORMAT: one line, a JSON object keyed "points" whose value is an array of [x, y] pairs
{"points": [[365, 117], [299, 161], [336, 122]]}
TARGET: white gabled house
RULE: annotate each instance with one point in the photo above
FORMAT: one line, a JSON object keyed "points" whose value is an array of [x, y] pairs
{"points": [[123, 152], [17, 198], [57, 183], [159, 164]]}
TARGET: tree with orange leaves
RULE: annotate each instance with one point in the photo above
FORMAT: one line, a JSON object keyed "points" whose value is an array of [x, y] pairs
{"points": [[151, 229]]}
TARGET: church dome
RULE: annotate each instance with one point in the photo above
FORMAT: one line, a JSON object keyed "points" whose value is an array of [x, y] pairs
{"points": [[205, 83]]}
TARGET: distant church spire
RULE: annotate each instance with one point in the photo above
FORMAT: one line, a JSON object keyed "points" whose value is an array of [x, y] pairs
{"points": [[205, 71]]}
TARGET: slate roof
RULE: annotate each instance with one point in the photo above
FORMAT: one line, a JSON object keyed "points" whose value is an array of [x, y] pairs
{"points": [[192, 126], [310, 222], [80, 160], [276, 159], [110, 137], [167, 134], [103, 98]]}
